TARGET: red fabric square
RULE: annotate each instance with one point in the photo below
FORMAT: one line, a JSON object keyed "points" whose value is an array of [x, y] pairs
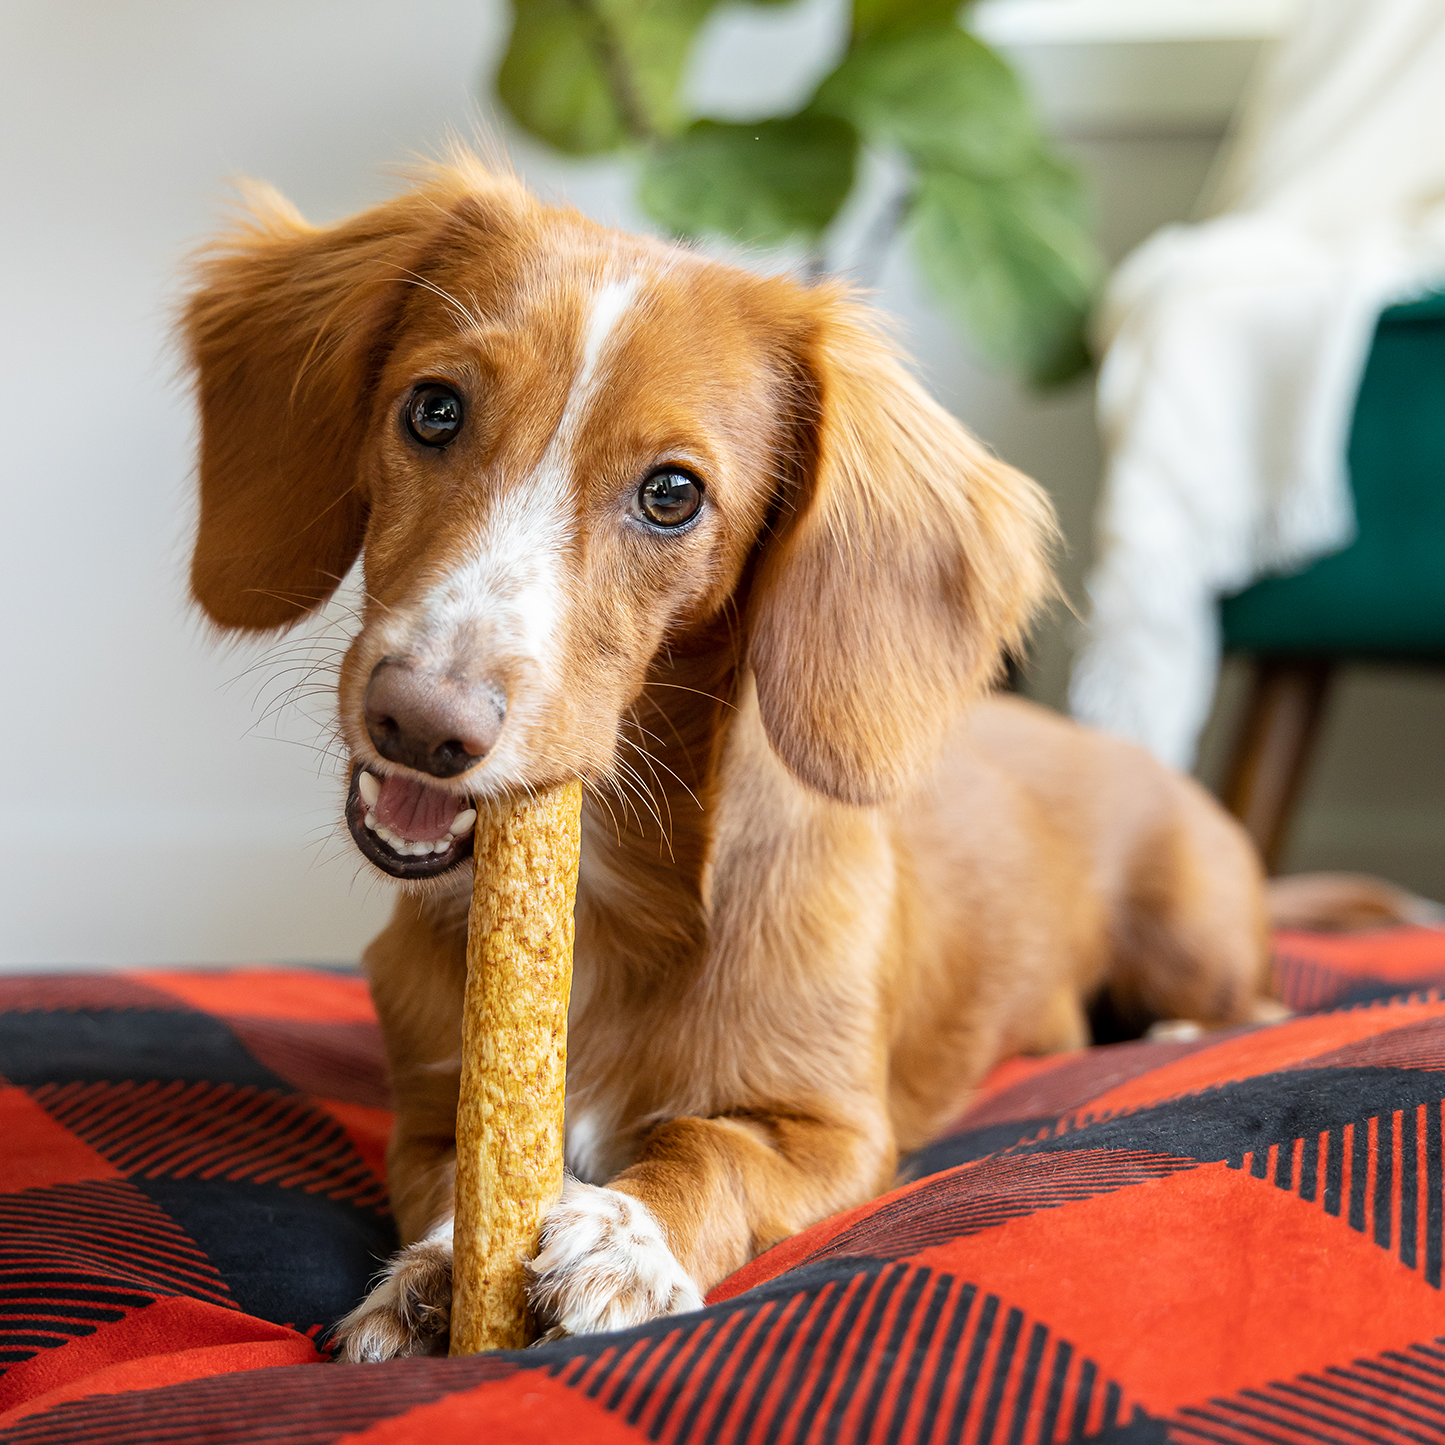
{"points": [[528, 1408], [1202, 1283], [38, 1151], [156, 1345], [269, 993]]}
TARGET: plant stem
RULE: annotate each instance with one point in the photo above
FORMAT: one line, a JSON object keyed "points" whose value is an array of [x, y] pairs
{"points": [[873, 253], [620, 79]]}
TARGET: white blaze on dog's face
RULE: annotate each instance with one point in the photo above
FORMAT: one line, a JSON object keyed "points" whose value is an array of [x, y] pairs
{"points": [[511, 585], [566, 455], [567, 472]]}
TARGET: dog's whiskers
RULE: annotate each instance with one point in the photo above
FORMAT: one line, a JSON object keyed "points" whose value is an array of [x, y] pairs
{"points": [[653, 761], [466, 318], [667, 800], [712, 697]]}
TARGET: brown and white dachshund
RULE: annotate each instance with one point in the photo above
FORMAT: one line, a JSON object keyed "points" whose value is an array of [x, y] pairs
{"points": [[696, 537]]}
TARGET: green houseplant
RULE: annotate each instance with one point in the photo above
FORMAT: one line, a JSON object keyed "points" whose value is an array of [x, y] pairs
{"points": [[996, 219]]}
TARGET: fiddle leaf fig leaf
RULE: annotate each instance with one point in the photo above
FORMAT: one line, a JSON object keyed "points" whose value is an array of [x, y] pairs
{"points": [[939, 94], [872, 16], [587, 76], [764, 183], [996, 219], [1013, 260], [553, 82], [654, 38]]}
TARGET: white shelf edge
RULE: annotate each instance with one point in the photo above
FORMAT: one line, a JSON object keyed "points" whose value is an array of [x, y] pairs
{"points": [[1012, 23]]}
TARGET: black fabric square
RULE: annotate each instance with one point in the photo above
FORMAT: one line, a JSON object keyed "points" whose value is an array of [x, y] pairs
{"points": [[288, 1256], [95, 1045]]}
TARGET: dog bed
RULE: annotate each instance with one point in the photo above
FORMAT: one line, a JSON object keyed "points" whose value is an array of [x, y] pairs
{"points": [[1235, 1239]]}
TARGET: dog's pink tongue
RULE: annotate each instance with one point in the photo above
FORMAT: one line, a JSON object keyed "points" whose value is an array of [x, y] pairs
{"points": [[413, 810]]}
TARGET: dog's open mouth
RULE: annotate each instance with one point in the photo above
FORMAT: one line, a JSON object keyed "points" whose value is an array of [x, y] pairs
{"points": [[406, 827]]}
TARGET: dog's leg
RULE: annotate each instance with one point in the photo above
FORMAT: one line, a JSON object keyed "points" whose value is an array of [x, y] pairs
{"points": [[706, 1196], [408, 1311], [779, 1025], [1061, 1025], [417, 968], [1191, 939]]}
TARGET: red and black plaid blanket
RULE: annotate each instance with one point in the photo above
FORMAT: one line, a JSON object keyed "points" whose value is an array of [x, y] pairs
{"points": [[1233, 1240]]}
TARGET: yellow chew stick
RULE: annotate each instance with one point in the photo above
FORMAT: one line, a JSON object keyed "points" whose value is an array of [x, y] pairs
{"points": [[514, 1060]]}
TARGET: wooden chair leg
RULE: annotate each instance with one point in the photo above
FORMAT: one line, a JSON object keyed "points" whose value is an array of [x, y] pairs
{"points": [[1272, 751]]}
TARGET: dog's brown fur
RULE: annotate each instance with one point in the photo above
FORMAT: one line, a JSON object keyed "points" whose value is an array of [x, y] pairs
{"points": [[846, 897]]}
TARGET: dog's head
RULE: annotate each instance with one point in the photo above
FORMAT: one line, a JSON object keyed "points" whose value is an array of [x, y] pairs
{"points": [[560, 450]]}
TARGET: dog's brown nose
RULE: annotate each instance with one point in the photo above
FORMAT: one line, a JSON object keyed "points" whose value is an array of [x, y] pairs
{"points": [[431, 721]]}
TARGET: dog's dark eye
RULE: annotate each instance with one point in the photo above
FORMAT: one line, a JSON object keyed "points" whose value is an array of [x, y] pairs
{"points": [[669, 498], [434, 414]]}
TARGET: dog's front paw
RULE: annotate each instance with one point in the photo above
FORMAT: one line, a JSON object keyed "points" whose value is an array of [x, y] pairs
{"points": [[410, 1310], [604, 1264]]}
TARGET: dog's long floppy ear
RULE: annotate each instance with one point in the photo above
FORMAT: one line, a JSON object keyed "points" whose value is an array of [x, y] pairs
{"points": [[907, 559], [285, 333]]}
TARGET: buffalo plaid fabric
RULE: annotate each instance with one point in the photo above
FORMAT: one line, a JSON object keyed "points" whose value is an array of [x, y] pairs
{"points": [[1235, 1240]]}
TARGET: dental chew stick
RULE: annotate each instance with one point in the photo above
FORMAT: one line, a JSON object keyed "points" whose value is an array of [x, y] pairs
{"points": [[514, 1059]]}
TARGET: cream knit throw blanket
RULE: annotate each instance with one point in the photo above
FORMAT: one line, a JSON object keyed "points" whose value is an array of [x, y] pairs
{"points": [[1235, 349]]}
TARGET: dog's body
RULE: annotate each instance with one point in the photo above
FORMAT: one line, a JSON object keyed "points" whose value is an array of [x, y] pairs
{"points": [[881, 955], [693, 536], [748, 1067]]}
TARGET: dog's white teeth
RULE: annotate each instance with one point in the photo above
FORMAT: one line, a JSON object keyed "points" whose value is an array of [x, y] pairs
{"points": [[369, 789], [461, 825], [406, 847]]}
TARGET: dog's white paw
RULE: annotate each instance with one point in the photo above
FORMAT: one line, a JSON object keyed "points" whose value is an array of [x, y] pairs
{"points": [[410, 1310], [1174, 1031], [604, 1264]]}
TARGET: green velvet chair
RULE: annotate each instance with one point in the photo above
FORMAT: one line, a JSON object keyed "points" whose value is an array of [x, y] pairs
{"points": [[1381, 599]]}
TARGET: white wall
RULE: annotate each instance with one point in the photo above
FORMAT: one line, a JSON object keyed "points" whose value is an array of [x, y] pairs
{"points": [[149, 809], [146, 812]]}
